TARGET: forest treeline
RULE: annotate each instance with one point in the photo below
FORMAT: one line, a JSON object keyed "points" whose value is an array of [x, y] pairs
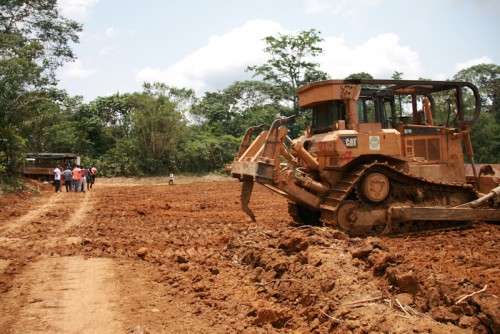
{"points": [[163, 129]]}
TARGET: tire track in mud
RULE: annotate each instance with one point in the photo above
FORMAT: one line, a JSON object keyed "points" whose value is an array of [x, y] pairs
{"points": [[81, 211], [56, 209], [43, 207], [68, 295], [56, 294]]}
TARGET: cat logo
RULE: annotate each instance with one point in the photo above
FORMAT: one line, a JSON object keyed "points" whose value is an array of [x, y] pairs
{"points": [[350, 141]]}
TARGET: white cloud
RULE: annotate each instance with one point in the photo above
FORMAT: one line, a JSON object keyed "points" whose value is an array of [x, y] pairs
{"points": [[220, 62], [110, 49], [343, 7], [76, 9], [316, 6], [352, 8], [472, 62], [224, 58], [481, 5], [349, 9], [76, 70], [379, 56], [112, 32]]}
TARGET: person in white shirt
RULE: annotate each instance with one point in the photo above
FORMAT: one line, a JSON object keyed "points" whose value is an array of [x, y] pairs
{"points": [[57, 178]]}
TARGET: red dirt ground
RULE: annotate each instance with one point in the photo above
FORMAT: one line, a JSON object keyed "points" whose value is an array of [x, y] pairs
{"points": [[125, 258]]}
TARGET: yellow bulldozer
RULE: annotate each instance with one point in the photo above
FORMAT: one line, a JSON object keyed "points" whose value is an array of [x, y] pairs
{"points": [[373, 160]]}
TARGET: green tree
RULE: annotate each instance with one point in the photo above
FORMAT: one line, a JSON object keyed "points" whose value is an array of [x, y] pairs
{"points": [[157, 128], [290, 65], [485, 135], [127, 134], [107, 119], [46, 108], [121, 160], [35, 32], [487, 78], [202, 152], [400, 100], [360, 75], [183, 98], [397, 75], [236, 108], [485, 138], [34, 42]]}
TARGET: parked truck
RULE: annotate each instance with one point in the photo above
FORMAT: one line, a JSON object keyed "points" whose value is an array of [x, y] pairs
{"points": [[41, 165]]}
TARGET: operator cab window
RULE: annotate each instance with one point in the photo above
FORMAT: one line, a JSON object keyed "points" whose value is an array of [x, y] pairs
{"points": [[366, 111], [376, 110], [326, 114]]}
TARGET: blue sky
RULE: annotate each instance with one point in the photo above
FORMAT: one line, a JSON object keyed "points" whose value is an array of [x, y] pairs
{"points": [[206, 45]]}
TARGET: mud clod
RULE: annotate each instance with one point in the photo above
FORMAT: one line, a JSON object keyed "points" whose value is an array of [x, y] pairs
{"points": [[142, 252], [293, 242], [405, 281]]}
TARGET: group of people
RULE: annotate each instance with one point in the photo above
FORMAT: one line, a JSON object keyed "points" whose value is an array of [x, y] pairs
{"points": [[77, 179]]}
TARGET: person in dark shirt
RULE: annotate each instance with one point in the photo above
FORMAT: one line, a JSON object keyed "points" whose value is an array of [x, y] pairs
{"points": [[68, 179]]}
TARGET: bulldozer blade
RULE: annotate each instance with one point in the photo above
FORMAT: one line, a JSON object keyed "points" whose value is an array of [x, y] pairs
{"points": [[246, 192]]}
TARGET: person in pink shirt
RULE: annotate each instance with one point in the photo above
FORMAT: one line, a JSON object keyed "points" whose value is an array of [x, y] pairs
{"points": [[83, 179]]}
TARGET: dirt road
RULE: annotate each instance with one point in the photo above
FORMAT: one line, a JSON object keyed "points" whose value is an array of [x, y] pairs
{"points": [[151, 258]]}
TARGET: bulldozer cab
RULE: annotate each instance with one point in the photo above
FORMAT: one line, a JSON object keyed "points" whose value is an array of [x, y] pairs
{"points": [[391, 120], [326, 114], [364, 101], [373, 106], [376, 106]]}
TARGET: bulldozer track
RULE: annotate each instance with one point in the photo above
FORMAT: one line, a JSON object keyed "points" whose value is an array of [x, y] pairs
{"points": [[344, 188], [405, 188], [457, 226]]}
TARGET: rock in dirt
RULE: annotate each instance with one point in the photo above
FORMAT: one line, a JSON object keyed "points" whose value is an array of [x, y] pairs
{"points": [[339, 235], [405, 298], [382, 261], [269, 314], [74, 240], [442, 314], [293, 242], [362, 252], [490, 307], [142, 252], [181, 259], [405, 281]]}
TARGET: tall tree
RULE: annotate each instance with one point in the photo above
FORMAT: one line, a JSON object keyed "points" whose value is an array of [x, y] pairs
{"points": [[290, 64], [487, 78], [360, 75], [486, 131], [107, 119], [202, 152], [34, 32], [34, 41], [397, 75], [157, 127], [239, 106]]}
